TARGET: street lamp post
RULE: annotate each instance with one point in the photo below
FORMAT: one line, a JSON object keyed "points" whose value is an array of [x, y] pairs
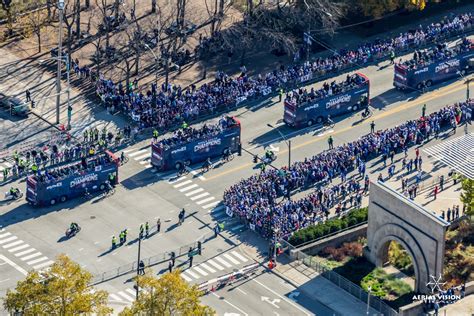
{"points": [[60, 42], [288, 143]]}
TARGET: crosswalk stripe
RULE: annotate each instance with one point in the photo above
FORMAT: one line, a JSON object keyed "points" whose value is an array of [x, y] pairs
{"points": [[132, 292], [125, 296], [25, 252], [231, 259], [200, 196], [239, 256], [114, 297], [211, 204], [208, 268], [182, 184], [237, 227], [205, 200], [3, 241], [192, 186], [215, 264], [37, 260], [228, 265], [4, 235], [44, 264], [201, 271], [138, 152], [31, 256], [191, 273], [15, 243], [18, 248], [177, 180], [194, 192], [145, 161], [184, 276], [147, 155]]}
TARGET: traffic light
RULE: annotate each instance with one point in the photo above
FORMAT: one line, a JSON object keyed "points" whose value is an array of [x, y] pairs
{"points": [[199, 247]]}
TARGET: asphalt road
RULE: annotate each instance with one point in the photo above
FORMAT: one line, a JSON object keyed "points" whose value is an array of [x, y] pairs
{"points": [[32, 237]]}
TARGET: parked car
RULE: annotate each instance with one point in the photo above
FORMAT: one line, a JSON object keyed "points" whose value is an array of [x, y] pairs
{"points": [[14, 105]]}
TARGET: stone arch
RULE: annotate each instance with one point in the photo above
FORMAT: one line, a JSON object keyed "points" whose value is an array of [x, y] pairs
{"points": [[379, 248]]}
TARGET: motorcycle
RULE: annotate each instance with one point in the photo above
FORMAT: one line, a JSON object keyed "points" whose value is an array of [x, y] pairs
{"points": [[9, 196], [72, 232]]}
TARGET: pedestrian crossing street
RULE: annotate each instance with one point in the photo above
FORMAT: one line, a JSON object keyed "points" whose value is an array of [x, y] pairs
{"points": [[201, 272], [23, 251]]}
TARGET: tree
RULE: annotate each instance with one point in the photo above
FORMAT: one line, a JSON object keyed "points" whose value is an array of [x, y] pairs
{"points": [[168, 295], [61, 290], [467, 195], [32, 23]]}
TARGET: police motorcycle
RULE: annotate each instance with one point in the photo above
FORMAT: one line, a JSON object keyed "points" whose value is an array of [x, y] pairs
{"points": [[73, 230], [13, 194]]}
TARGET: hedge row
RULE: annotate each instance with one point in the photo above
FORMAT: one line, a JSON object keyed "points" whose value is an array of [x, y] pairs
{"points": [[328, 227]]}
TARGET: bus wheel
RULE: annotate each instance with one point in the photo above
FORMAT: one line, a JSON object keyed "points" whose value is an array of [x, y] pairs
{"points": [[429, 83], [355, 108], [52, 202], [102, 186], [63, 199], [320, 119], [178, 165]]}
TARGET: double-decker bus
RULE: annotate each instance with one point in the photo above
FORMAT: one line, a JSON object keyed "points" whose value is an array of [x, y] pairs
{"points": [[351, 96], [59, 184], [190, 146], [441, 66]]}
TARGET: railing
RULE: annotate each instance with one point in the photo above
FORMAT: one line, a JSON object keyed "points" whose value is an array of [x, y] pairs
{"points": [[339, 280]]}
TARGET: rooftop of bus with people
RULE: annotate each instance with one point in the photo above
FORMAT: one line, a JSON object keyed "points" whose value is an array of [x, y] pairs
{"points": [[441, 51], [77, 168], [191, 134], [302, 96]]}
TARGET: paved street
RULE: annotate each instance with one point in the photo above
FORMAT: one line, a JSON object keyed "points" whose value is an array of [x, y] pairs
{"points": [[32, 237]]}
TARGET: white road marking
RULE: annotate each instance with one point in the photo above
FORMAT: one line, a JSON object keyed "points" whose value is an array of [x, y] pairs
{"points": [[12, 238], [223, 299], [36, 260], [239, 256], [114, 297], [25, 252], [31, 256], [132, 292], [205, 200], [126, 296], [223, 262], [15, 243], [194, 192], [139, 153], [211, 204], [230, 258], [182, 184], [45, 264], [184, 276], [200, 196], [192, 186], [282, 297], [14, 265], [18, 248], [201, 271], [4, 235], [215, 264], [208, 268], [191, 273], [177, 180]]}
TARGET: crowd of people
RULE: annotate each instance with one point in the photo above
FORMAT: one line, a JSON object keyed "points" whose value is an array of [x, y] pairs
{"points": [[173, 104], [440, 52], [190, 134], [255, 199], [302, 95], [86, 164]]}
